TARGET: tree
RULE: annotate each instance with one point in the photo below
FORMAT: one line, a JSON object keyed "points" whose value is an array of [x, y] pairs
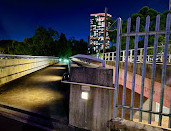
{"points": [[63, 47], [143, 13]]}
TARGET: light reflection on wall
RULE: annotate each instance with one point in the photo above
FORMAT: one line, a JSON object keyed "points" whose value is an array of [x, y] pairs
{"points": [[57, 68], [47, 78]]}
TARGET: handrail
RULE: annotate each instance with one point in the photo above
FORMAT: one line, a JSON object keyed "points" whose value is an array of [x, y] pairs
{"points": [[110, 56], [91, 85], [25, 56]]}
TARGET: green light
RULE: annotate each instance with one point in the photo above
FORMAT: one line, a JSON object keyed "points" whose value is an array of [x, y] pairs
{"points": [[66, 60]]}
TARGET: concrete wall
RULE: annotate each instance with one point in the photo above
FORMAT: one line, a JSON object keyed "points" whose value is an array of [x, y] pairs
{"points": [[148, 70], [11, 69], [94, 113], [147, 85], [136, 105], [124, 125]]}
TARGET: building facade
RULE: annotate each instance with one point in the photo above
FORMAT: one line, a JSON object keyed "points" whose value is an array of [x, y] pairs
{"points": [[97, 23]]}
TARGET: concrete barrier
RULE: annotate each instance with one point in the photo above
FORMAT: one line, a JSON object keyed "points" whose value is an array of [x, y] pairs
{"points": [[11, 69], [94, 112], [147, 86]]}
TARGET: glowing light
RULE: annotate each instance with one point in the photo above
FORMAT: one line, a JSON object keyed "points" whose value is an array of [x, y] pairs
{"points": [[66, 60], [84, 95], [57, 68], [60, 59]]}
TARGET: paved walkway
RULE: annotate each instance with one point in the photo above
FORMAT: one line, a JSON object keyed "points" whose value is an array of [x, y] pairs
{"points": [[40, 92]]}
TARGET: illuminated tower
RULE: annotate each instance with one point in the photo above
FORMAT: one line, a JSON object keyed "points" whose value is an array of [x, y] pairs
{"points": [[97, 23]]}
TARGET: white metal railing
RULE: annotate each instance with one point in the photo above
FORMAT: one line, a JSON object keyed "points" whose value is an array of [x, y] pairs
{"points": [[111, 56]]}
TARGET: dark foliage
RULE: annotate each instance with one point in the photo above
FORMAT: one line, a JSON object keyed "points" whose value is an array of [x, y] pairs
{"points": [[45, 42]]}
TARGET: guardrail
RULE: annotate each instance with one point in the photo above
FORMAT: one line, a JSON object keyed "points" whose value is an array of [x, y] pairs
{"points": [[111, 56], [16, 66]]}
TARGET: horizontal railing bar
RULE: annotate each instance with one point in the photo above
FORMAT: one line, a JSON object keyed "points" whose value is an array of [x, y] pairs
{"points": [[23, 71], [144, 33], [91, 85], [137, 109], [26, 56], [138, 49], [22, 64]]}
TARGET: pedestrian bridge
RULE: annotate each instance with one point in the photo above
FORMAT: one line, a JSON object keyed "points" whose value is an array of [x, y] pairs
{"points": [[40, 93], [31, 94]]}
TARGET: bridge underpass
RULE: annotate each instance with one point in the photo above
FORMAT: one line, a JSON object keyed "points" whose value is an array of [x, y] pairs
{"points": [[37, 99]]}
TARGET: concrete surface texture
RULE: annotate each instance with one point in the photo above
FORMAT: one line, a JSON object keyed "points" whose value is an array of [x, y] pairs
{"points": [[41, 93], [95, 112], [11, 69], [124, 125], [147, 86]]}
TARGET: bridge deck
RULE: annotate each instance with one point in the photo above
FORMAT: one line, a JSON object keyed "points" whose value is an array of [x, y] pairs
{"points": [[40, 92]]}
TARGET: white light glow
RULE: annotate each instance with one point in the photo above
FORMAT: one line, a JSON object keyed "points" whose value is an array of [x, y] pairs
{"points": [[84, 95]]}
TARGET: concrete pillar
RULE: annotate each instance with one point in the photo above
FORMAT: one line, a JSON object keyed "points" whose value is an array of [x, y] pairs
{"points": [[95, 112]]}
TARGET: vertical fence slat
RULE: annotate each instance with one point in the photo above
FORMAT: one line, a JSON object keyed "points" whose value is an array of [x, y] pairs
{"points": [[164, 68], [134, 67], [126, 66], [169, 122], [117, 69], [153, 67], [144, 67]]}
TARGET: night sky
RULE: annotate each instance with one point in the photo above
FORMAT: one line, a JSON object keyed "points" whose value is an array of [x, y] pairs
{"points": [[20, 18]]}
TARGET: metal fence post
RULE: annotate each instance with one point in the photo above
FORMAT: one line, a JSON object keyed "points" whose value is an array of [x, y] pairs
{"points": [[117, 69], [164, 68], [134, 67], [144, 67], [126, 67], [153, 67]]}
